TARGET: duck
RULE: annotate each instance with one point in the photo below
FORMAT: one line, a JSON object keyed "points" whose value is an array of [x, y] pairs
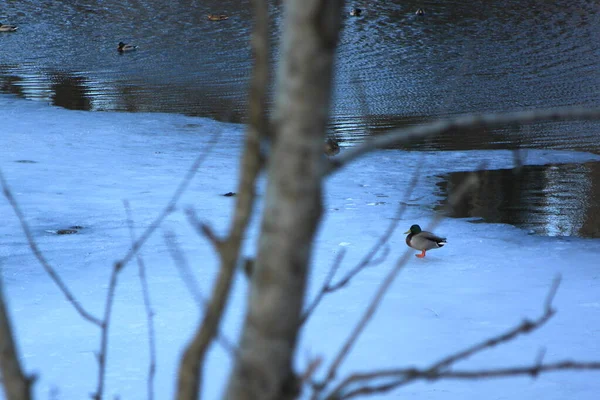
{"points": [[8, 28], [125, 47], [217, 17], [355, 12], [331, 147], [423, 240], [420, 12]]}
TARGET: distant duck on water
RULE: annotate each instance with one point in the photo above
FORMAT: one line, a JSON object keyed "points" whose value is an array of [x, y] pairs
{"points": [[355, 12], [8, 28], [420, 12], [217, 17], [123, 47], [331, 147]]}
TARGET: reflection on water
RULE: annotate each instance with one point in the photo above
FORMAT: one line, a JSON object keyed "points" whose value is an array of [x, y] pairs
{"points": [[393, 66], [553, 200], [70, 92], [394, 69]]}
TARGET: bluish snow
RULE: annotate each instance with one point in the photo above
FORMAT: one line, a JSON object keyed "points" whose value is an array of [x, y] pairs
{"points": [[487, 279]]}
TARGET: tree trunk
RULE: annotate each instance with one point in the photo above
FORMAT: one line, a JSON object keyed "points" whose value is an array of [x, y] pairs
{"points": [[293, 203], [16, 385]]}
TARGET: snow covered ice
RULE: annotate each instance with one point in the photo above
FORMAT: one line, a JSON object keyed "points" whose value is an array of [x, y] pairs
{"points": [[72, 168]]}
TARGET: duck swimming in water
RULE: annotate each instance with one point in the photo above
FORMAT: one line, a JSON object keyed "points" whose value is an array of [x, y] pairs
{"points": [[8, 28], [217, 17], [125, 47]]}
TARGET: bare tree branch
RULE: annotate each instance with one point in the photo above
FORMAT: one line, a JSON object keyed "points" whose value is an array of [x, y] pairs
{"points": [[185, 272], [311, 368], [189, 376], [103, 324], [532, 370], [525, 327], [147, 306], [189, 380], [363, 383], [204, 229], [17, 385], [40, 257], [326, 287], [404, 376], [186, 275], [469, 121]]}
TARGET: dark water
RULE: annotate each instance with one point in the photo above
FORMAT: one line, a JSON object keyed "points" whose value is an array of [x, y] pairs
{"points": [[549, 200], [394, 69]]}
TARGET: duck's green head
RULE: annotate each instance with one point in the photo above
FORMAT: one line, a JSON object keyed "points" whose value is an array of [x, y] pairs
{"points": [[414, 229]]}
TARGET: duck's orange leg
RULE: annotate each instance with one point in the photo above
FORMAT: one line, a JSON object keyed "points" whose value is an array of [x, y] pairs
{"points": [[421, 255]]}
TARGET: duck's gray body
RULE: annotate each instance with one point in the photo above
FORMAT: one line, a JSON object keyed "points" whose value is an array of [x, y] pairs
{"points": [[8, 28], [423, 240]]}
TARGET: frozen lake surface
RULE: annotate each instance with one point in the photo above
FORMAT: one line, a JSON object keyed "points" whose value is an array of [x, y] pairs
{"points": [[74, 168]]}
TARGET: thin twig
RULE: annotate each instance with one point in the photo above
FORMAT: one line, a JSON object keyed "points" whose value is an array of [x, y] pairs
{"points": [[462, 122], [185, 272], [186, 275], [17, 385], [311, 368], [40, 257], [203, 229], [532, 370], [539, 359], [412, 374], [552, 293], [147, 306], [102, 354], [325, 288]]}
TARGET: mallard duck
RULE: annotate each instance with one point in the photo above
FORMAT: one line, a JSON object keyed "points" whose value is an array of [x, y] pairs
{"points": [[423, 240], [125, 47], [8, 28], [420, 12], [355, 12], [217, 17], [331, 147]]}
